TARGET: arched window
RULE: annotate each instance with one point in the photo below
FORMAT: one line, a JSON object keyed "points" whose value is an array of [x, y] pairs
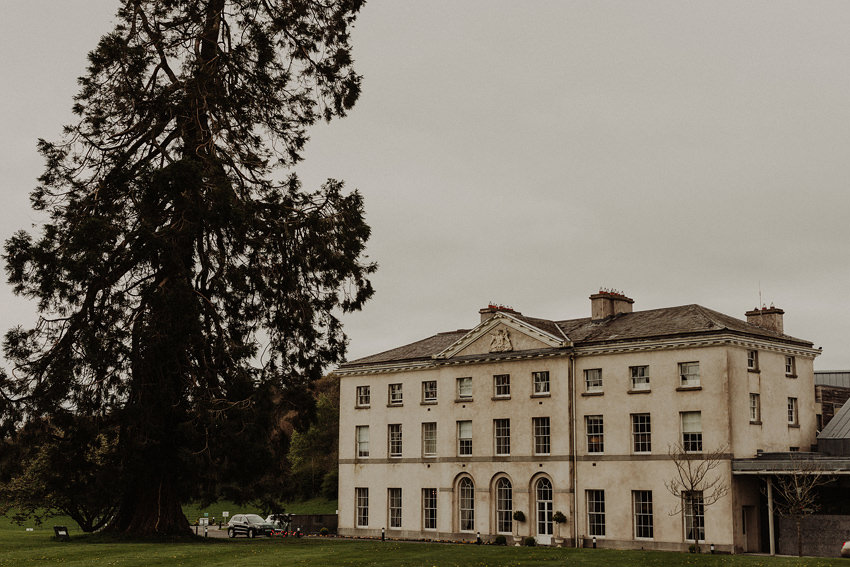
{"points": [[504, 506], [466, 504], [543, 491]]}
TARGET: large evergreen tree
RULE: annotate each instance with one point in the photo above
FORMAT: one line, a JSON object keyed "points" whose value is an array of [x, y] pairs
{"points": [[189, 289]]}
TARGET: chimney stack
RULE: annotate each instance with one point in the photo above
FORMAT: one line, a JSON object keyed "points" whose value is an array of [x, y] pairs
{"points": [[608, 303], [769, 318], [492, 309]]}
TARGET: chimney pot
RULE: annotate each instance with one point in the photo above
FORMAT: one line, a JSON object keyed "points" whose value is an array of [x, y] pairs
{"points": [[769, 318], [607, 303]]}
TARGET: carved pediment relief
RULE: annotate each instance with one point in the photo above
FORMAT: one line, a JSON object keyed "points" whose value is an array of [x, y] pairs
{"points": [[502, 333]]}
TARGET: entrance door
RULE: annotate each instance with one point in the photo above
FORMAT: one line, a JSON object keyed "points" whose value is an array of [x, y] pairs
{"points": [[543, 493]]}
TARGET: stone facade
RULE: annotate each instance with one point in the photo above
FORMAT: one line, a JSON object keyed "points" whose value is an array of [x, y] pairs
{"points": [[448, 437]]}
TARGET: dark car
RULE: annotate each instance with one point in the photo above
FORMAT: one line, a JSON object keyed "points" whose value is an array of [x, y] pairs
{"points": [[250, 525]]}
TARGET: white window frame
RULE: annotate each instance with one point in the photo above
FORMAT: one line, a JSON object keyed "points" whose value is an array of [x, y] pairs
{"points": [[639, 377], [429, 509], [361, 507], [504, 506], [464, 438], [594, 428], [595, 503], [641, 433], [364, 396], [691, 422], [540, 383], [395, 395], [642, 515], [593, 380], [502, 437], [361, 440], [429, 391], [394, 440], [429, 439], [753, 360], [689, 374], [464, 388], [790, 366], [466, 504], [394, 508], [694, 516], [793, 411], [755, 408], [541, 428], [501, 385]]}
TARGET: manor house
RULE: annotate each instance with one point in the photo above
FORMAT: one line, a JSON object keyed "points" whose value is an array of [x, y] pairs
{"points": [[450, 436]]}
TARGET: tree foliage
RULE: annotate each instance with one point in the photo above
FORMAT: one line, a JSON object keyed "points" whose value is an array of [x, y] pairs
{"points": [[189, 288], [314, 450]]}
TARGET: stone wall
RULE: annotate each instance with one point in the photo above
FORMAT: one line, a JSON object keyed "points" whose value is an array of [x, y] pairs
{"points": [[822, 535]]}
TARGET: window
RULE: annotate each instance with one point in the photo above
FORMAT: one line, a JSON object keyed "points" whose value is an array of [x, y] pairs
{"points": [[464, 388], [361, 499], [692, 431], [544, 507], [792, 411], [429, 391], [429, 439], [464, 438], [752, 360], [541, 383], [502, 434], [642, 509], [593, 380], [595, 433], [394, 439], [689, 374], [395, 398], [640, 377], [363, 396], [595, 512], [466, 504], [502, 385], [429, 508], [394, 504], [755, 408], [694, 516], [790, 367], [540, 425], [641, 433], [504, 506], [362, 436]]}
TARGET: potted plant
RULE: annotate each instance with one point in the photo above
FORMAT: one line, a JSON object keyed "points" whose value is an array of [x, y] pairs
{"points": [[519, 517], [559, 518]]}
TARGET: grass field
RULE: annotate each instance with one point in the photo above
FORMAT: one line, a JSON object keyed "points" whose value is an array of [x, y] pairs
{"points": [[36, 548]]}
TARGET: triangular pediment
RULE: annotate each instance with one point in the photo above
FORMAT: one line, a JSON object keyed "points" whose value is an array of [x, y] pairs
{"points": [[502, 333]]}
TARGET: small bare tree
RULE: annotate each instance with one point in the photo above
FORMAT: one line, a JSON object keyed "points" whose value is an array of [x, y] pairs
{"points": [[797, 491], [694, 485]]}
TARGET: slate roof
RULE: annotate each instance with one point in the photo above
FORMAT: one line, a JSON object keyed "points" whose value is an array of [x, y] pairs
{"points": [[839, 426], [685, 320]]}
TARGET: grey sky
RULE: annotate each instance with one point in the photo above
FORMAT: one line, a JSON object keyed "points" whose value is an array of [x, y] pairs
{"points": [[529, 153]]}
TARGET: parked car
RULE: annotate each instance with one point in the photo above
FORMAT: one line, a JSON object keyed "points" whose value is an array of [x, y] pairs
{"points": [[845, 549], [250, 525]]}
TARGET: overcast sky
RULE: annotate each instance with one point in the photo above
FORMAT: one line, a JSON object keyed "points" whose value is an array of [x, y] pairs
{"points": [[529, 153]]}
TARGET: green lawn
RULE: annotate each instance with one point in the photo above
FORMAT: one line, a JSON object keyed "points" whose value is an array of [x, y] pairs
{"points": [[20, 548]]}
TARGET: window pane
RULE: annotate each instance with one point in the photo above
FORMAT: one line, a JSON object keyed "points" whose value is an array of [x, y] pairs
{"points": [[692, 431], [642, 509], [395, 439], [467, 505], [464, 387], [362, 434], [362, 506], [595, 433], [502, 385], [363, 396], [541, 435], [464, 437], [694, 516], [640, 377], [429, 439], [544, 507], [502, 428], [595, 512], [593, 379], [429, 391], [689, 373], [504, 506], [541, 382], [429, 508], [394, 500], [641, 433], [395, 396]]}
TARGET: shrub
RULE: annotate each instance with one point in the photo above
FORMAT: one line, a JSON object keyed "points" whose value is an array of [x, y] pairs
{"points": [[519, 516], [559, 517], [324, 531], [500, 540], [530, 542]]}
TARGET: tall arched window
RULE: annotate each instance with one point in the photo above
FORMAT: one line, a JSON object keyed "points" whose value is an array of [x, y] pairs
{"points": [[543, 492], [504, 506], [466, 504]]}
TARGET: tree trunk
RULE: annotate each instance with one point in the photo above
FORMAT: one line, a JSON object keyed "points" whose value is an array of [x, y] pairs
{"points": [[799, 523]]}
